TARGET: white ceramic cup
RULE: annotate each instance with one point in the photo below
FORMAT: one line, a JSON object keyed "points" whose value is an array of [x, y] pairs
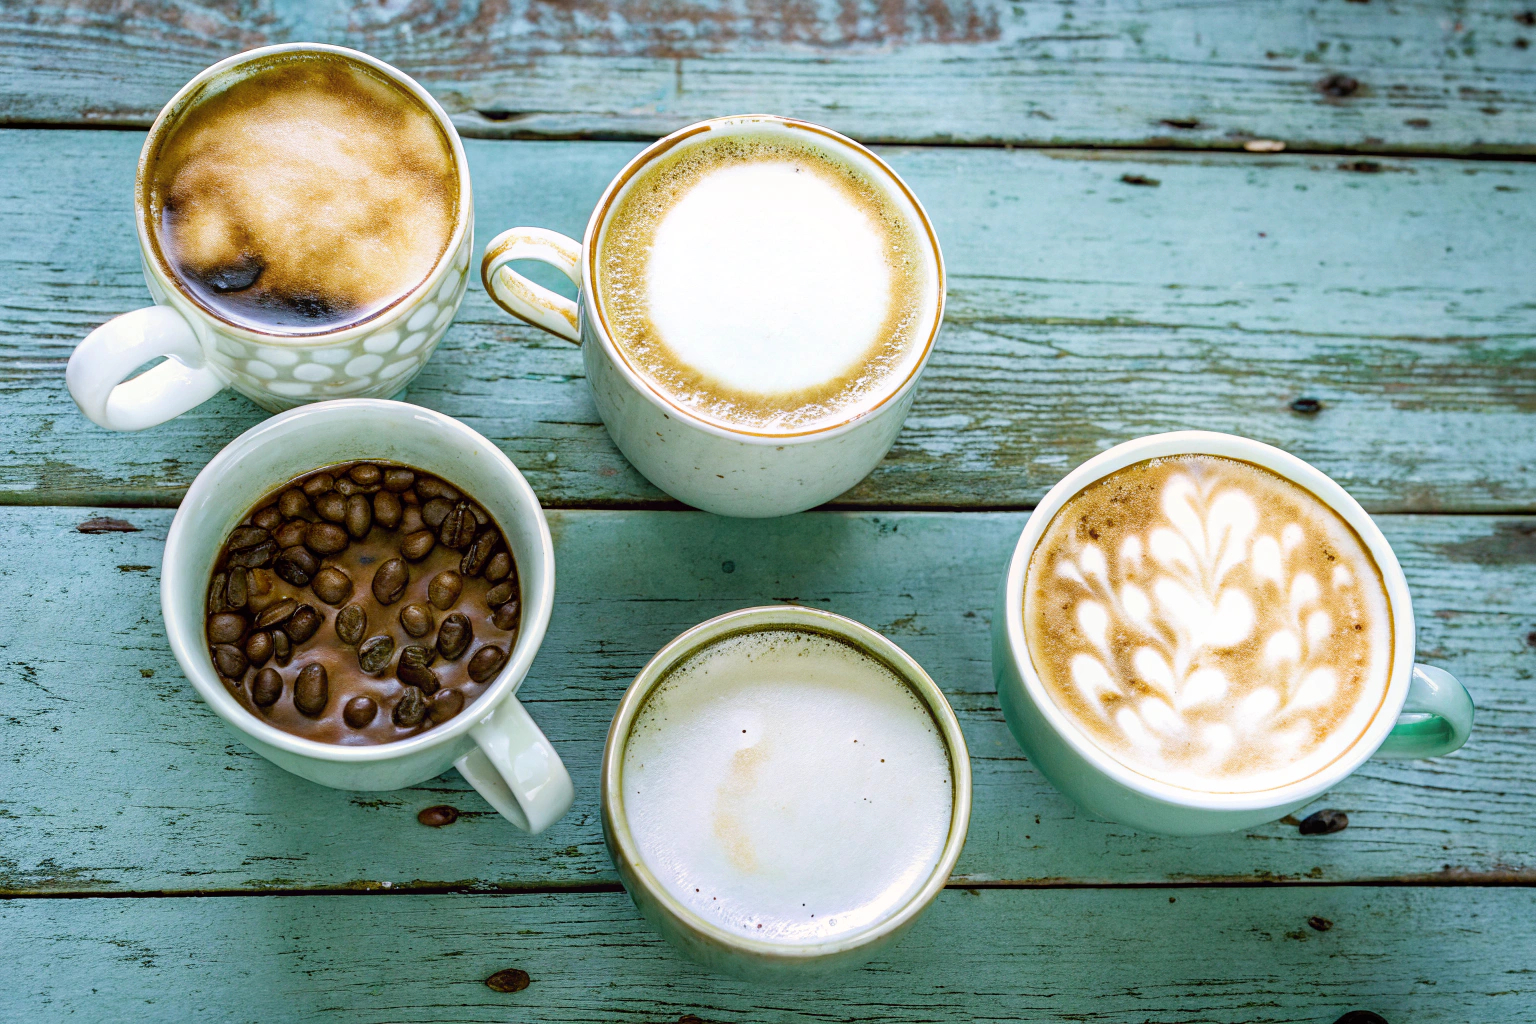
{"points": [[493, 742], [703, 940], [729, 472], [1425, 713], [205, 353]]}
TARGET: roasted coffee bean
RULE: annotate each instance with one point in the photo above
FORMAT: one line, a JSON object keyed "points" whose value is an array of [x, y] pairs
{"points": [[258, 648], [387, 509], [414, 671], [418, 545], [398, 480], [486, 662], [479, 553], [445, 589], [418, 654], [276, 614], [499, 567], [332, 585], [454, 635], [238, 591], [435, 511], [325, 538], [346, 488], [282, 648], [500, 594], [365, 474], [390, 580], [411, 708], [226, 628], [429, 487], [332, 506], [319, 484], [293, 505], [250, 558], [446, 704], [297, 565], [303, 624], [1361, 1017], [266, 687], [437, 817], [292, 534], [359, 516], [218, 599], [359, 712], [416, 619], [506, 617], [312, 690], [411, 521], [514, 980], [246, 537], [1324, 822], [259, 581], [351, 624], [458, 529], [230, 661], [268, 518], [375, 653]]}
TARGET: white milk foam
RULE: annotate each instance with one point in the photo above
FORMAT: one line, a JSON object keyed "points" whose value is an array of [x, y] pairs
{"points": [[787, 787], [1209, 624], [764, 282]]}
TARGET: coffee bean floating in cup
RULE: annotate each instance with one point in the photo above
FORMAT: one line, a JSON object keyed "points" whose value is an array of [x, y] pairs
{"points": [[362, 603]]}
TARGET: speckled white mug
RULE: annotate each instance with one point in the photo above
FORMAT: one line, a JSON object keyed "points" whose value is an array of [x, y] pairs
{"points": [[205, 353]]}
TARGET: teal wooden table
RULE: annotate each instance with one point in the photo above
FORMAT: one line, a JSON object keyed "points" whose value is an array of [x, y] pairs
{"points": [[1313, 223]]}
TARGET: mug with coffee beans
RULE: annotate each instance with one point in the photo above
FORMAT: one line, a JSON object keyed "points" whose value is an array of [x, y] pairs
{"points": [[757, 299], [1198, 632], [358, 588], [305, 221], [784, 791]]}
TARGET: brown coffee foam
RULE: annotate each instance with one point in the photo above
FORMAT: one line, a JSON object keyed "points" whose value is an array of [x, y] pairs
{"points": [[336, 182], [623, 258], [1128, 503]]}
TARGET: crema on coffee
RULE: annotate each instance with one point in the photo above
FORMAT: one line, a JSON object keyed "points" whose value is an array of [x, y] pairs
{"points": [[767, 280], [787, 786], [1209, 623], [303, 194]]}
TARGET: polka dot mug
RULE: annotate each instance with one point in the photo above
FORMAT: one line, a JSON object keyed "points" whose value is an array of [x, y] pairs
{"points": [[205, 353]]}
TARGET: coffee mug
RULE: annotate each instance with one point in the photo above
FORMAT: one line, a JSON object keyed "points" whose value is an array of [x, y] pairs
{"points": [[905, 720], [712, 464], [1423, 712], [205, 351], [493, 742]]}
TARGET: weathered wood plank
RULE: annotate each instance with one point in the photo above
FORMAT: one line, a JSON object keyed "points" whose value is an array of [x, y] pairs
{"points": [[1395, 75], [1083, 311], [1425, 955], [114, 776]]}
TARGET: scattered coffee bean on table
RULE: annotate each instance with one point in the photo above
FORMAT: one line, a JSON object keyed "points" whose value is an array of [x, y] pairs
{"points": [[362, 603]]}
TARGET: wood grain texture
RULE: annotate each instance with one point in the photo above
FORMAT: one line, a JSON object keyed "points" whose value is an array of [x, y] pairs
{"points": [[115, 777], [1083, 311], [1393, 75], [1109, 956]]}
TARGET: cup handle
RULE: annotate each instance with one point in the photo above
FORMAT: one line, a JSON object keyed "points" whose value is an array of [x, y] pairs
{"points": [[529, 302], [516, 770], [1436, 718], [99, 365]]}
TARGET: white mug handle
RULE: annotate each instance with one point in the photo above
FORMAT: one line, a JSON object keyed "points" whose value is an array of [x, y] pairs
{"points": [[529, 302], [99, 365], [517, 771], [1436, 717]]}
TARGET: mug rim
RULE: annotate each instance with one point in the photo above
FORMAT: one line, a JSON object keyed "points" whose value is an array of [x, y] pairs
{"points": [[177, 105], [870, 642], [595, 317], [1322, 487], [176, 576]]}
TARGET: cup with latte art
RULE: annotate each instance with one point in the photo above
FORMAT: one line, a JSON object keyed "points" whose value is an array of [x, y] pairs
{"points": [[757, 297], [1199, 633], [305, 221]]}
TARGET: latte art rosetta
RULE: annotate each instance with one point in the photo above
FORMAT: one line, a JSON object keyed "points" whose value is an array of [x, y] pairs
{"points": [[1205, 620]]}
